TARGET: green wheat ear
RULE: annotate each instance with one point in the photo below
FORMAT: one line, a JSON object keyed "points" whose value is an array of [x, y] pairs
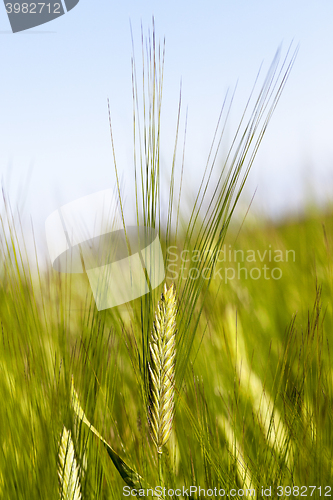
{"points": [[162, 347], [69, 472]]}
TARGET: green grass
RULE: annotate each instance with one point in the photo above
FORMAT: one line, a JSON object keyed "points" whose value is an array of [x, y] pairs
{"points": [[253, 379]]}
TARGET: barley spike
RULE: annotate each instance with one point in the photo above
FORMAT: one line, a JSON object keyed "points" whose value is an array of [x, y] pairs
{"points": [[68, 469], [162, 348]]}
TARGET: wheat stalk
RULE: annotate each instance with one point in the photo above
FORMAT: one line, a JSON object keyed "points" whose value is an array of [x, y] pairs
{"points": [[69, 472], [162, 348]]}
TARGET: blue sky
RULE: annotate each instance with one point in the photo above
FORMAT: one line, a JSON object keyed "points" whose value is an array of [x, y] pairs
{"points": [[55, 81]]}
